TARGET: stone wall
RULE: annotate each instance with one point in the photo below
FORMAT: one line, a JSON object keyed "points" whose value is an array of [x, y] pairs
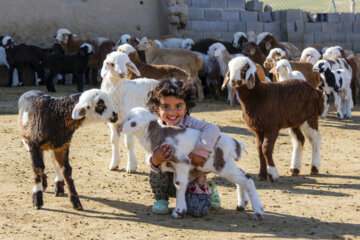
{"points": [[221, 19]]}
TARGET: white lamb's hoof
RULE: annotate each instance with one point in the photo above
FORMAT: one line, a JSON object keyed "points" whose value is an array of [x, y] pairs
{"points": [[131, 168], [113, 167], [273, 174], [178, 213], [258, 216]]}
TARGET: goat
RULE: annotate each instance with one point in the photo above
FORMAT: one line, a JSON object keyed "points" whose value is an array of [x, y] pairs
{"points": [[268, 107], [141, 123], [62, 64], [125, 95], [239, 40], [48, 123]]}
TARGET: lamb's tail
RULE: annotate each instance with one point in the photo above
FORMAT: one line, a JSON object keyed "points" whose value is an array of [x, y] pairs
{"points": [[240, 148]]}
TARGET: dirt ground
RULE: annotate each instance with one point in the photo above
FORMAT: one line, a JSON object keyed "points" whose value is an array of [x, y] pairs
{"points": [[117, 205]]}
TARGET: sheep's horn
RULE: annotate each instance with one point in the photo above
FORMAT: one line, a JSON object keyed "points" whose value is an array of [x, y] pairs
{"points": [[226, 80]]}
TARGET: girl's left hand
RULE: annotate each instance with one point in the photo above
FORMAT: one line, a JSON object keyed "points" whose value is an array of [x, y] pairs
{"points": [[197, 160]]}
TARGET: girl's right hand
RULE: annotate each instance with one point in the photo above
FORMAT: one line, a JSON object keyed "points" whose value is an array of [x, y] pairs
{"points": [[161, 155]]}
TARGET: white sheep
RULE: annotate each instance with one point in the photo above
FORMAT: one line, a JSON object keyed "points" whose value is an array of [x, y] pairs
{"points": [[283, 68], [175, 43], [311, 55], [141, 123], [125, 94], [223, 57], [336, 82]]}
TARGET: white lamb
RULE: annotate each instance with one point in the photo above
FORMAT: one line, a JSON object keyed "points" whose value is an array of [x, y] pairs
{"points": [[223, 57], [311, 55], [283, 68], [125, 95], [141, 123]]}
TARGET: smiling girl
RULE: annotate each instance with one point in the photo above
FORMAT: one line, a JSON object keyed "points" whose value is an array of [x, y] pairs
{"points": [[172, 101]]}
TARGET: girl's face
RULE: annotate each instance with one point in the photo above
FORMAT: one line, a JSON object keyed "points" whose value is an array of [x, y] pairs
{"points": [[172, 110]]}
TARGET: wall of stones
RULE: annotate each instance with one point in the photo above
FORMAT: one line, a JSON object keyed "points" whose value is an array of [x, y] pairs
{"points": [[221, 19]]}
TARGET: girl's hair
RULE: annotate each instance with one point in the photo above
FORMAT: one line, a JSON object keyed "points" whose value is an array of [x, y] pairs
{"points": [[172, 87]]}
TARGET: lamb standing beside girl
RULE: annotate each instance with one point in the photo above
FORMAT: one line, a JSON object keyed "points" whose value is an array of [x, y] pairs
{"points": [[172, 101]]}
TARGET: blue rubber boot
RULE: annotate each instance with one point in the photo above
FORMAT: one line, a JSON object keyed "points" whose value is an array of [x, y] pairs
{"points": [[160, 207]]}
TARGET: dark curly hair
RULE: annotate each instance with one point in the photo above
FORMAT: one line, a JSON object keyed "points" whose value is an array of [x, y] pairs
{"points": [[172, 87]]}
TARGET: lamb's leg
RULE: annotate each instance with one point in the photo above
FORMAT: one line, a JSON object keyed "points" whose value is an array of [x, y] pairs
{"points": [[314, 137], [80, 82], [11, 72], [115, 139], [181, 180], [298, 146], [199, 88], [59, 179], [259, 141], [349, 104], [267, 149], [231, 95], [38, 168], [130, 145], [62, 159], [326, 103], [239, 177], [338, 105]]}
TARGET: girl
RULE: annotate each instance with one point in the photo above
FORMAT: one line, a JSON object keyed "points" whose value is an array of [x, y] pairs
{"points": [[172, 101]]}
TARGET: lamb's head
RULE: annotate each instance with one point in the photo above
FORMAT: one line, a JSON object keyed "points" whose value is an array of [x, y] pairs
{"points": [[283, 66], [95, 105], [266, 41], [311, 55], [187, 43], [135, 120], [126, 48], [333, 53], [62, 36], [239, 40], [85, 49], [251, 49], [216, 49], [124, 38], [146, 43], [7, 42], [117, 64], [252, 36], [241, 72], [274, 56], [321, 66]]}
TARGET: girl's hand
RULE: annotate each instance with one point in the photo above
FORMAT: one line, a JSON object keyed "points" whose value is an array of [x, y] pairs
{"points": [[161, 155], [197, 160]]}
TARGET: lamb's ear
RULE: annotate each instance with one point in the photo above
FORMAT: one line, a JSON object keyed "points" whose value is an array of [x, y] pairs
{"points": [[217, 52], [130, 126], [250, 82], [267, 45], [131, 66], [226, 80], [78, 112], [309, 59], [288, 69], [105, 69], [273, 70]]}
